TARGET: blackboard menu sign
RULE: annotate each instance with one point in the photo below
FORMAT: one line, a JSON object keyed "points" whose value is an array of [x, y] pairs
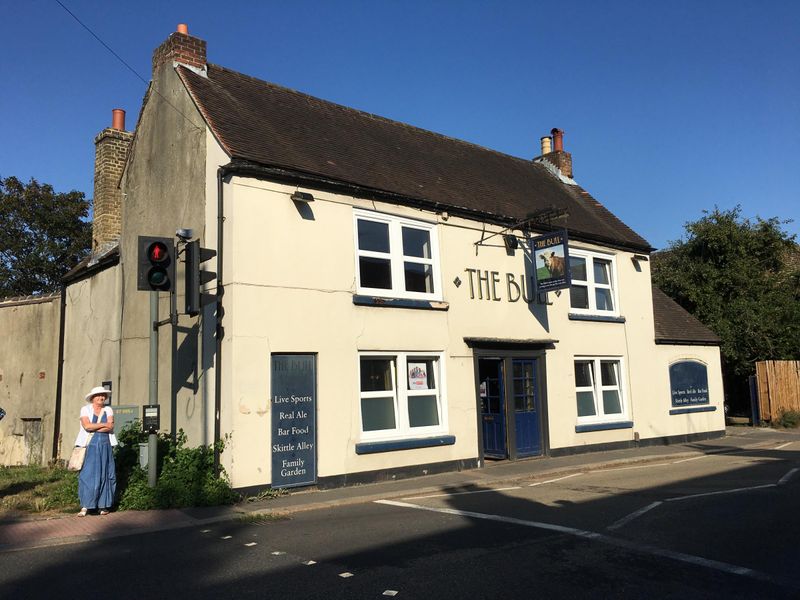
{"points": [[688, 381], [294, 426]]}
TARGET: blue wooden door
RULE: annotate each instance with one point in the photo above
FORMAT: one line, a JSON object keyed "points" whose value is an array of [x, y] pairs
{"points": [[526, 410], [493, 414]]}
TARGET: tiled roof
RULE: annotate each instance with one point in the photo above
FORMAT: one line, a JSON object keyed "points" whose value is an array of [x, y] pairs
{"points": [[674, 324], [272, 126]]}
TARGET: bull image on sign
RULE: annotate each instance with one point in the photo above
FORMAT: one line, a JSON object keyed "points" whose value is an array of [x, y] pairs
{"points": [[551, 261]]}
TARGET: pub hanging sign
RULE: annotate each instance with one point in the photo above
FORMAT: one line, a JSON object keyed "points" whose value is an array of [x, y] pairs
{"points": [[551, 259]]}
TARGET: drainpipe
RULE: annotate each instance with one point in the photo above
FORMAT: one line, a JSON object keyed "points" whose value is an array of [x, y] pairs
{"points": [[60, 375], [222, 172]]}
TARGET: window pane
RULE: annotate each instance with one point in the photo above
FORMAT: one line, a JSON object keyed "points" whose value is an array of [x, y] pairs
{"points": [[419, 278], [416, 242], [611, 403], [602, 271], [586, 404], [376, 375], [583, 373], [375, 273], [578, 296], [377, 413], [422, 411], [602, 298], [373, 236], [577, 267], [421, 374], [608, 372]]}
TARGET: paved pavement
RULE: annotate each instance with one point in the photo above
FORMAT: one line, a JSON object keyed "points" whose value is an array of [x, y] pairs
{"points": [[33, 533]]}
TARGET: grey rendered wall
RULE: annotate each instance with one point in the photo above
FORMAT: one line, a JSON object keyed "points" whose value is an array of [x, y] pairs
{"points": [[28, 377], [91, 346], [164, 187]]}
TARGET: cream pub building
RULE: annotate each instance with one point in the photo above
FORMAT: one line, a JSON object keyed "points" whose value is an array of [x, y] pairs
{"points": [[377, 313]]}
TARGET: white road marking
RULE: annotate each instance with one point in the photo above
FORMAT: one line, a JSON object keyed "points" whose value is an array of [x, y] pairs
{"points": [[689, 459], [205, 530], [783, 445], [462, 493], [278, 553], [553, 480], [226, 537], [251, 544], [733, 491], [345, 575], [390, 593], [591, 535], [625, 520], [635, 467], [785, 479], [308, 563]]}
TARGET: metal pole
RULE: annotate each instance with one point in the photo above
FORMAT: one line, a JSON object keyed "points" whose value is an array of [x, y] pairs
{"points": [[152, 445]]}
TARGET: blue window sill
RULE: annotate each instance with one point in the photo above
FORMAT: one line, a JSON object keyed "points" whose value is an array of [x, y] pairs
{"points": [[399, 303], [692, 409], [391, 446], [596, 318], [604, 426]]}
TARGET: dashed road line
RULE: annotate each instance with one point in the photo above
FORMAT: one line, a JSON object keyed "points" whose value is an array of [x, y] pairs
{"points": [[625, 520], [345, 575], [782, 446], [689, 459], [720, 492], [554, 480]]}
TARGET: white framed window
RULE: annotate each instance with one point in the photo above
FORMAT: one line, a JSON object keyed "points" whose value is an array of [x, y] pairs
{"points": [[396, 257], [401, 395], [599, 389], [593, 288]]}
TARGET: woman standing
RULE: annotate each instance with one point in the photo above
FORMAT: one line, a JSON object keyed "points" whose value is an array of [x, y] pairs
{"points": [[97, 482]]}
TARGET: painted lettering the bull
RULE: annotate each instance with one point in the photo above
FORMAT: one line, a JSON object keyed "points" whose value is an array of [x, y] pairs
{"points": [[554, 264]]}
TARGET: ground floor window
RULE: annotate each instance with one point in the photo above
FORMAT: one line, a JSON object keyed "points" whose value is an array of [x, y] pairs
{"points": [[400, 395], [598, 389]]}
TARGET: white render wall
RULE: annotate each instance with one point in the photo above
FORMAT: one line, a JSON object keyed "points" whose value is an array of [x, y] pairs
{"points": [[290, 273]]}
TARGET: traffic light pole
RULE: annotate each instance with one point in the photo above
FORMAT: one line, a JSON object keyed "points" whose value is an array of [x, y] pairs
{"points": [[152, 440]]}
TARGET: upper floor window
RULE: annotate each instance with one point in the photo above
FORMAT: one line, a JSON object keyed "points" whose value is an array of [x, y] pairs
{"points": [[593, 289], [396, 257]]}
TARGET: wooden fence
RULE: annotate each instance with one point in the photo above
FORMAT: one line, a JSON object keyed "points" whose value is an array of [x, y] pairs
{"points": [[778, 387]]}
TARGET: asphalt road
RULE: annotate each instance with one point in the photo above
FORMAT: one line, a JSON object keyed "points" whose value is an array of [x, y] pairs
{"points": [[715, 526]]}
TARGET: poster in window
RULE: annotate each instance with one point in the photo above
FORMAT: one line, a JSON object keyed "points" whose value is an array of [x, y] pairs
{"points": [[551, 261], [417, 376]]}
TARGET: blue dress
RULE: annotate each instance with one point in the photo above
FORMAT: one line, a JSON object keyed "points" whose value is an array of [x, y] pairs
{"points": [[97, 482]]}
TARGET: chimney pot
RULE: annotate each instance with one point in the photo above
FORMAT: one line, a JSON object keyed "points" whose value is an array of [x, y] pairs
{"points": [[546, 145], [118, 119], [183, 28], [558, 140]]}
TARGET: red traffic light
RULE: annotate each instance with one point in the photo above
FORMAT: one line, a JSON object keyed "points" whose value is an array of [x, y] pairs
{"points": [[157, 252]]}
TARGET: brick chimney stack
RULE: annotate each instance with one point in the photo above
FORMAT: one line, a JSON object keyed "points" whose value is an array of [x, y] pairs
{"points": [[557, 157], [111, 150], [181, 48]]}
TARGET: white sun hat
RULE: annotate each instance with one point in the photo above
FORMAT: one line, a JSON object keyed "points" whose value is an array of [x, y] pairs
{"points": [[97, 390]]}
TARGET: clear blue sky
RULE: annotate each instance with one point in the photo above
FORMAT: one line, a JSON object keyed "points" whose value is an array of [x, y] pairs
{"points": [[669, 108]]}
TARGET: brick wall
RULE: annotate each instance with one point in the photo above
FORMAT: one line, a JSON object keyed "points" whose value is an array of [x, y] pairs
{"points": [[111, 149], [562, 160], [181, 48]]}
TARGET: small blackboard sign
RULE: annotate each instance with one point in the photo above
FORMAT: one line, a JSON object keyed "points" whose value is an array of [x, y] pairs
{"points": [[688, 381], [294, 425]]}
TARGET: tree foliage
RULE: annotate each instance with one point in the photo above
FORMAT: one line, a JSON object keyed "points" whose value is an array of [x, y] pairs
{"points": [[741, 278], [43, 234]]}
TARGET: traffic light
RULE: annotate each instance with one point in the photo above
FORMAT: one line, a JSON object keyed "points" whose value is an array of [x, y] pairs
{"points": [[195, 277], [156, 271]]}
